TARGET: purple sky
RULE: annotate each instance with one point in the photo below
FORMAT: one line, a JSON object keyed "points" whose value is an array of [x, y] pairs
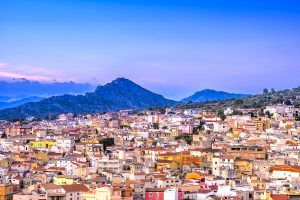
{"points": [[173, 47]]}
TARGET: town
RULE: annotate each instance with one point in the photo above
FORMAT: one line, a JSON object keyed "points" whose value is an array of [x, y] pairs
{"points": [[154, 154]]}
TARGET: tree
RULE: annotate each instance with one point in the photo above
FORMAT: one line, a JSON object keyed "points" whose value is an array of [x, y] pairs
{"points": [[154, 143], [155, 126], [265, 91], [238, 102], [288, 102], [4, 135], [273, 91], [199, 127], [187, 138], [221, 114], [236, 112], [268, 114], [107, 142], [162, 111]]}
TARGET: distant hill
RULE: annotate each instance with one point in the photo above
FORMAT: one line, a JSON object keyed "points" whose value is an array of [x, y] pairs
{"points": [[288, 96], [4, 98], [211, 95], [9, 103], [119, 94], [28, 88]]}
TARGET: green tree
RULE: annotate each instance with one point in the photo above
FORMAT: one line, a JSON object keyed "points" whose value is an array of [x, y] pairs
{"points": [[268, 114], [4, 135], [288, 102], [155, 126], [162, 111], [221, 114], [185, 137], [238, 102], [198, 128], [273, 91], [107, 142]]}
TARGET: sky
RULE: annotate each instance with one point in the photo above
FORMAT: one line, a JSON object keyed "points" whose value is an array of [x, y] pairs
{"points": [[172, 47]]}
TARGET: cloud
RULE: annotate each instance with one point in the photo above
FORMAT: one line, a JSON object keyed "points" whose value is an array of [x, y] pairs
{"points": [[28, 72], [13, 75]]}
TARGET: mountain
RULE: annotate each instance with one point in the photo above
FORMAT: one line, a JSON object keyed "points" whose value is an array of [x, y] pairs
{"points": [[9, 103], [28, 88], [258, 101], [212, 95], [4, 98], [119, 94]]}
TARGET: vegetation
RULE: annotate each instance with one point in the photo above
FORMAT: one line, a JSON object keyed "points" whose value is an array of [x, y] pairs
{"points": [[198, 128], [185, 137], [259, 101], [4, 135], [107, 142], [117, 95], [221, 114], [155, 126]]}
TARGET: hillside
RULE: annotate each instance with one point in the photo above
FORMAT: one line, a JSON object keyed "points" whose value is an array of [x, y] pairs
{"points": [[119, 94], [18, 102], [211, 95], [28, 88], [256, 101]]}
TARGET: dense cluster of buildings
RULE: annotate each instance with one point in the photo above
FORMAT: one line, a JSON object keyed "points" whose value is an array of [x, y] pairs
{"points": [[174, 154]]}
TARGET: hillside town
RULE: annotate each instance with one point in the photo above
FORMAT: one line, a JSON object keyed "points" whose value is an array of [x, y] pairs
{"points": [[156, 154]]}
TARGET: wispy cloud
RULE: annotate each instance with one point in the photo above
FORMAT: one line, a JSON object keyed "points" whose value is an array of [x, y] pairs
{"points": [[29, 72]]}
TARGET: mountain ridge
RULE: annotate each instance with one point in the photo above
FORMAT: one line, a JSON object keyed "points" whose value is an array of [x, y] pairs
{"points": [[211, 95], [119, 94], [26, 88], [18, 102]]}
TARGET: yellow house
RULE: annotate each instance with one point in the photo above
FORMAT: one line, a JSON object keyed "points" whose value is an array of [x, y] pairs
{"points": [[42, 144], [167, 164], [6, 192], [42, 156], [262, 125], [260, 184], [193, 175], [34, 165], [243, 167], [169, 160], [4, 163], [176, 160], [65, 180], [235, 134], [89, 140]]}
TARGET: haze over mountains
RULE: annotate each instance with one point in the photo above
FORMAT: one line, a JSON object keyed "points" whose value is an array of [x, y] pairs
{"points": [[119, 94], [17, 93], [26, 88]]}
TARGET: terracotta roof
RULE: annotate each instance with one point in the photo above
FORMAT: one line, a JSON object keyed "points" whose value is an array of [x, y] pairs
{"points": [[50, 186], [75, 188], [288, 168], [279, 197]]}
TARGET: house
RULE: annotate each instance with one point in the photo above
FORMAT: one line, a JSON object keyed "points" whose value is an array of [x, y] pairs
{"points": [[168, 182], [74, 191], [288, 172], [6, 192], [101, 193]]}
